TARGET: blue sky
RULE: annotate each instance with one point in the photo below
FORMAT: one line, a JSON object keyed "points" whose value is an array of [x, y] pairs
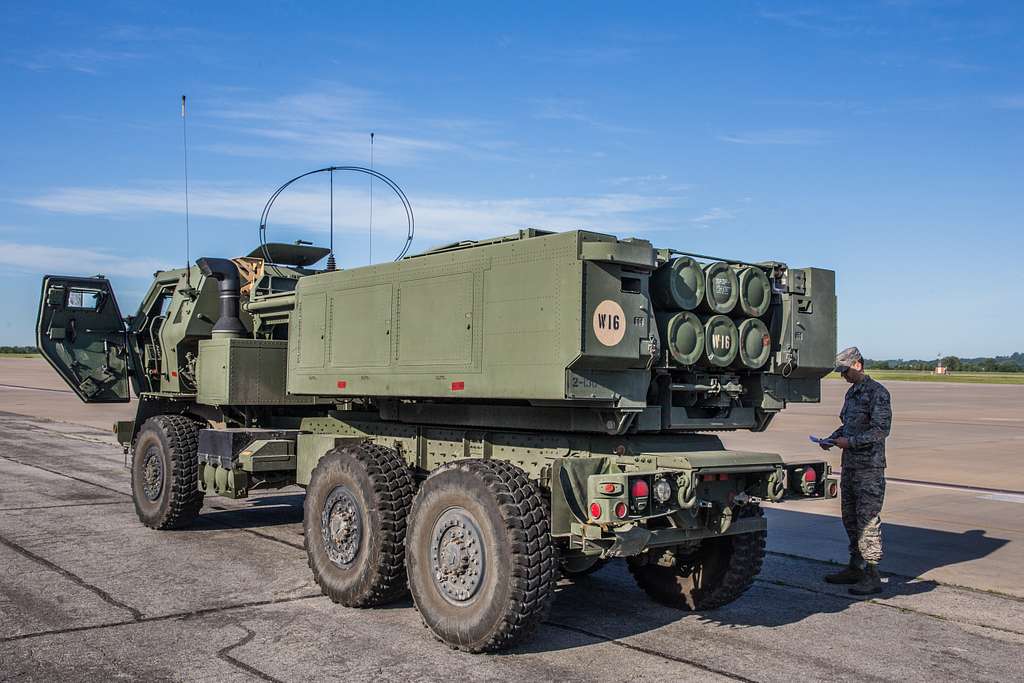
{"points": [[880, 139]]}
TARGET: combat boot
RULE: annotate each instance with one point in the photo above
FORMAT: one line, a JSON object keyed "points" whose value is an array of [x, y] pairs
{"points": [[853, 573], [870, 584]]}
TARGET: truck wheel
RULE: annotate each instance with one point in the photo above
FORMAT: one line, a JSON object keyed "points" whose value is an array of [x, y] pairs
{"points": [[714, 574], [482, 566], [165, 486], [354, 521], [579, 567]]}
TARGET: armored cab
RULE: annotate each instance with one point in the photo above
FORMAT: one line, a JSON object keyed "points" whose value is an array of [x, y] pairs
{"points": [[470, 421]]}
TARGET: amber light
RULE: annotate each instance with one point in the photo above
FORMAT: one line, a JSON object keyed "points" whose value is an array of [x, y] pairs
{"points": [[595, 510]]}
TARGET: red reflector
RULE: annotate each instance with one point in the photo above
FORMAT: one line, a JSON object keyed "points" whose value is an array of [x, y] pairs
{"points": [[342, 384], [723, 477], [620, 510], [595, 510], [458, 386], [608, 488], [708, 477], [832, 489], [639, 488], [174, 373], [810, 474]]}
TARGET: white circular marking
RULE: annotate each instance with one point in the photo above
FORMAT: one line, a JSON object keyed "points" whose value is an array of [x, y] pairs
{"points": [[609, 322]]}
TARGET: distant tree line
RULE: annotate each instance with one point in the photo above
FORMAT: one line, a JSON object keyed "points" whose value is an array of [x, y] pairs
{"points": [[1012, 363], [18, 349]]}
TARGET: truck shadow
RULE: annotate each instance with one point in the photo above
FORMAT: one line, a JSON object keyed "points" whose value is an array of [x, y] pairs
{"points": [[608, 605]]}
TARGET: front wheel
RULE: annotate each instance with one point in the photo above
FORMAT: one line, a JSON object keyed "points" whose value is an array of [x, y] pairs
{"points": [[711, 575], [482, 567], [165, 467]]}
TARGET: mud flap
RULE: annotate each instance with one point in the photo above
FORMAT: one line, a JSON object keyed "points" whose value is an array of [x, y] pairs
{"points": [[630, 542], [569, 490]]}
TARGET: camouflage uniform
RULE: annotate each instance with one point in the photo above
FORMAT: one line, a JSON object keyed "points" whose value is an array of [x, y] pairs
{"points": [[866, 418]]}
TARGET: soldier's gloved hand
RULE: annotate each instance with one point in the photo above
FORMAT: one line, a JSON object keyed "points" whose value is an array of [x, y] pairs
{"points": [[842, 442]]}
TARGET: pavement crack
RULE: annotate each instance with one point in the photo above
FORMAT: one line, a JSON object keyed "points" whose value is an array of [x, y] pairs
{"points": [[649, 651], [224, 653], [74, 578], [163, 617], [64, 474]]}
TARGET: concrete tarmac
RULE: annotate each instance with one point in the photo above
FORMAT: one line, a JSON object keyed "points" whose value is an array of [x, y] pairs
{"points": [[88, 593]]}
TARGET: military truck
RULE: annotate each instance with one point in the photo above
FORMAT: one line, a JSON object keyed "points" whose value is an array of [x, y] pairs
{"points": [[469, 423]]}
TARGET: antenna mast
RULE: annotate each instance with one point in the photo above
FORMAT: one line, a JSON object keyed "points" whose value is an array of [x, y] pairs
{"points": [[371, 200], [184, 139]]}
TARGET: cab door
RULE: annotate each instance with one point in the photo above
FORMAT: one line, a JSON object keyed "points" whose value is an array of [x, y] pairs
{"points": [[81, 333]]}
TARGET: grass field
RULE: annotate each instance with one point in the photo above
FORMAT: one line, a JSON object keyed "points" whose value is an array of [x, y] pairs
{"points": [[957, 377]]}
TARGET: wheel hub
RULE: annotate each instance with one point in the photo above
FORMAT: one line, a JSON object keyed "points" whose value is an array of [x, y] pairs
{"points": [[457, 556], [152, 474], [341, 526]]}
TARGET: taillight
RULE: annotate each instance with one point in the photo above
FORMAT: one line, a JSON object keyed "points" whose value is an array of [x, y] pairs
{"points": [[621, 510], [595, 510], [810, 474], [639, 488]]}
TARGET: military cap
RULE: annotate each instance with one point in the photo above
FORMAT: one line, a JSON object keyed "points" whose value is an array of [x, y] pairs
{"points": [[847, 357]]}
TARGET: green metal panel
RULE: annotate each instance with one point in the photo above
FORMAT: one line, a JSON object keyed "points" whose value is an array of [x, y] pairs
{"points": [[361, 327], [312, 323], [503, 319], [435, 322], [244, 372]]}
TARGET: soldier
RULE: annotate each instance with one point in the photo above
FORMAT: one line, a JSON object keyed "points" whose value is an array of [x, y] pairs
{"points": [[866, 418]]}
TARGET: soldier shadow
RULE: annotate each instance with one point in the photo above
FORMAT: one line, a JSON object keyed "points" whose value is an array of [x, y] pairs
{"points": [[608, 605]]}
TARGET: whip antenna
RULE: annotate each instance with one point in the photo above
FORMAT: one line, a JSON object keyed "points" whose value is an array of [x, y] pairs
{"points": [[331, 264], [184, 139], [371, 200]]}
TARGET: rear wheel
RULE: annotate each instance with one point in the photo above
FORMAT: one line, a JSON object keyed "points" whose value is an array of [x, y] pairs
{"points": [[481, 563], [354, 520], [165, 486], [710, 575]]}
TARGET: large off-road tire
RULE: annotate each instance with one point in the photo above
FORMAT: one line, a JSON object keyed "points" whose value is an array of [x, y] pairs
{"points": [[714, 574], [355, 512], [482, 566], [165, 467]]}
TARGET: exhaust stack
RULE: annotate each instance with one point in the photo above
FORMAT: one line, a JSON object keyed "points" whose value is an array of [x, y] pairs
{"points": [[225, 272]]}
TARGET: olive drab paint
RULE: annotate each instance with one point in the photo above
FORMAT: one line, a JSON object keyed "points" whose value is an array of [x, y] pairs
{"points": [[587, 369]]}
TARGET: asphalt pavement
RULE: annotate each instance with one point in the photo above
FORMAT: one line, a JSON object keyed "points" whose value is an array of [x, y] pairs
{"points": [[88, 593]]}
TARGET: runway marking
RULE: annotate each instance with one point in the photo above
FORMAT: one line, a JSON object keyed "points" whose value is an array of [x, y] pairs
{"points": [[64, 505], [19, 386], [964, 488], [1004, 497]]}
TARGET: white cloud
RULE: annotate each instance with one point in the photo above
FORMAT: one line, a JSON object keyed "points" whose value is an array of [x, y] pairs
{"points": [[713, 215], [438, 217], [40, 258], [331, 123], [781, 136]]}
